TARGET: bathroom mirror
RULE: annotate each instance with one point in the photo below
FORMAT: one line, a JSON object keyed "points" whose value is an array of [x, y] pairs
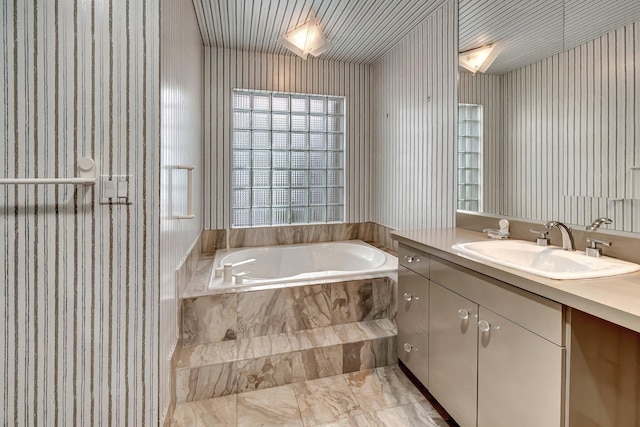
{"points": [[552, 129]]}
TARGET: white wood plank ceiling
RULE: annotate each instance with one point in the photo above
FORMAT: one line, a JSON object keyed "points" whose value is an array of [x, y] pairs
{"points": [[364, 30], [528, 31], [360, 30]]}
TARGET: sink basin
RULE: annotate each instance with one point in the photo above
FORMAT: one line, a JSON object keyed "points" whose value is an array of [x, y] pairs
{"points": [[546, 261]]}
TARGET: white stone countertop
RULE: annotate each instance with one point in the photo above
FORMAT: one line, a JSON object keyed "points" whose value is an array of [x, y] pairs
{"points": [[616, 298]]}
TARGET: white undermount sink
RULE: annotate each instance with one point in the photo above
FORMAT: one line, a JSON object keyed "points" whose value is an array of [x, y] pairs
{"points": [[546, 261]]}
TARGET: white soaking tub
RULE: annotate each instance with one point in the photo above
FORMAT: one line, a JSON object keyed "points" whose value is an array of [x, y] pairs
{"points": [[292, 264]]}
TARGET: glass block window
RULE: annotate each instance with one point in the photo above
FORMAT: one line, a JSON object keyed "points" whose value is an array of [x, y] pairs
{"points": [[470, 157], [287, 159]]}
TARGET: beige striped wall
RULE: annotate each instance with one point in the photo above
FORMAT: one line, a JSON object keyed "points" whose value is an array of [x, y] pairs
{"points": [[181, 96], [414, 126], [533, 156], [79, 299], [226, 69], [486, 90], [571, 133]]}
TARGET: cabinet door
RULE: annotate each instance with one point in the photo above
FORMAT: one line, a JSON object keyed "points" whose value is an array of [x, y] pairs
{"points": [[519, 375], [453, 343], [413, 297], [413, 349]]}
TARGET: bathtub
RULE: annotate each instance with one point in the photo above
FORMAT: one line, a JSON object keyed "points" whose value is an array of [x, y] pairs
{"points": [[311, 262]]}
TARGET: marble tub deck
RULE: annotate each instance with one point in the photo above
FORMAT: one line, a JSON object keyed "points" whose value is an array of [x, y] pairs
{"points": [[377, 397]]}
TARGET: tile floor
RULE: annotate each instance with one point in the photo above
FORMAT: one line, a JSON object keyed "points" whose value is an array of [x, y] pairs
{"points": [[377, 397]]}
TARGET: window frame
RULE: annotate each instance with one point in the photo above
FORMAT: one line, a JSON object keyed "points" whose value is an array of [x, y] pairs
{"points": [[314, 132], [468, 131]]}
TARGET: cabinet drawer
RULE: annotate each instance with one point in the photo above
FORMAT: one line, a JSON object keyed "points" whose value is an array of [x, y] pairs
{"points": [[414, 260], [413, 350], [413, 297], [533, 312]]}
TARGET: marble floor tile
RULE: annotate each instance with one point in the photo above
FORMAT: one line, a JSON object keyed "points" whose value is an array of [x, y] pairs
{"points": [[411, 415], [355, 421], [380, 397], [388, 326], [206, 382], [317, 363], [272, 407], [314, 338], [218, 412], [207, 354], [363, 355], [363, 331], [382, 388], [262, 346], [325, 400], [265, 372]]}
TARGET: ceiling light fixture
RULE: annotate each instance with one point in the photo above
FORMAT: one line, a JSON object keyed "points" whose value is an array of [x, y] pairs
{"points": [[306, 39], [478, 59]]}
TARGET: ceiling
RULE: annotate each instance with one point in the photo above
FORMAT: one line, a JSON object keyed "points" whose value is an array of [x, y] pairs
{"points": [[528, 31], [362, 31]]}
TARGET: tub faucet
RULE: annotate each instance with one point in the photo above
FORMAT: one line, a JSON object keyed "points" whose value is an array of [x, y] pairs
{"points": [[567, 237], [598, 222]]}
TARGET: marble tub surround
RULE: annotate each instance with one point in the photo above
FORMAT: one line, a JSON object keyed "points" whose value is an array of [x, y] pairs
{"points": [[213, 318], [209, 319], [370, 232], [201, 274], [212, 240], [376, 397], [247, 348], [252, 363], [189, 267]]}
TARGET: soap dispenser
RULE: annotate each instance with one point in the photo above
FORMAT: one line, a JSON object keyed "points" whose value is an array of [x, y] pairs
{"points": [[502, 233], [504, 228]]}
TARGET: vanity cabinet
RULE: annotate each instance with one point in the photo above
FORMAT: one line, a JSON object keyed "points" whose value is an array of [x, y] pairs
{"points": [[413, 312], [453, 343], [496, 352], [520, 375], [491, 353]]}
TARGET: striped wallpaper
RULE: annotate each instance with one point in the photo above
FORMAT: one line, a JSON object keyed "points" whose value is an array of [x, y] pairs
{"points": [[532, 155], [226, 69], [79, 300], [414, 126], [570, 133], [181, 96]]}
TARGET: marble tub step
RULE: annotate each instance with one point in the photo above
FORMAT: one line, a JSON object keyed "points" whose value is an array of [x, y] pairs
{"points": [[211, 370]]}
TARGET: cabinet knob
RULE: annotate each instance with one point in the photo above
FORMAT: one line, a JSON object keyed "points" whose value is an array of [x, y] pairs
{"points": [[408, 297], [407, 347], [463, 314], [411, 259], [484, 326]]}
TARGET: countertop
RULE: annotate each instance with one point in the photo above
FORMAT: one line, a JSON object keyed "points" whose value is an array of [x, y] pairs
{"points": [[615, 299]]}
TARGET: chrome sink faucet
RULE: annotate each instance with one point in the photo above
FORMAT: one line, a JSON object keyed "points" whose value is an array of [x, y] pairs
{"points": [[598, 222], [567, 237]]}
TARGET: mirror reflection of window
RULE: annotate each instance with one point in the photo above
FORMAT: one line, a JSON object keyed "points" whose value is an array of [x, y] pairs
{"points": [[469, 157]]}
